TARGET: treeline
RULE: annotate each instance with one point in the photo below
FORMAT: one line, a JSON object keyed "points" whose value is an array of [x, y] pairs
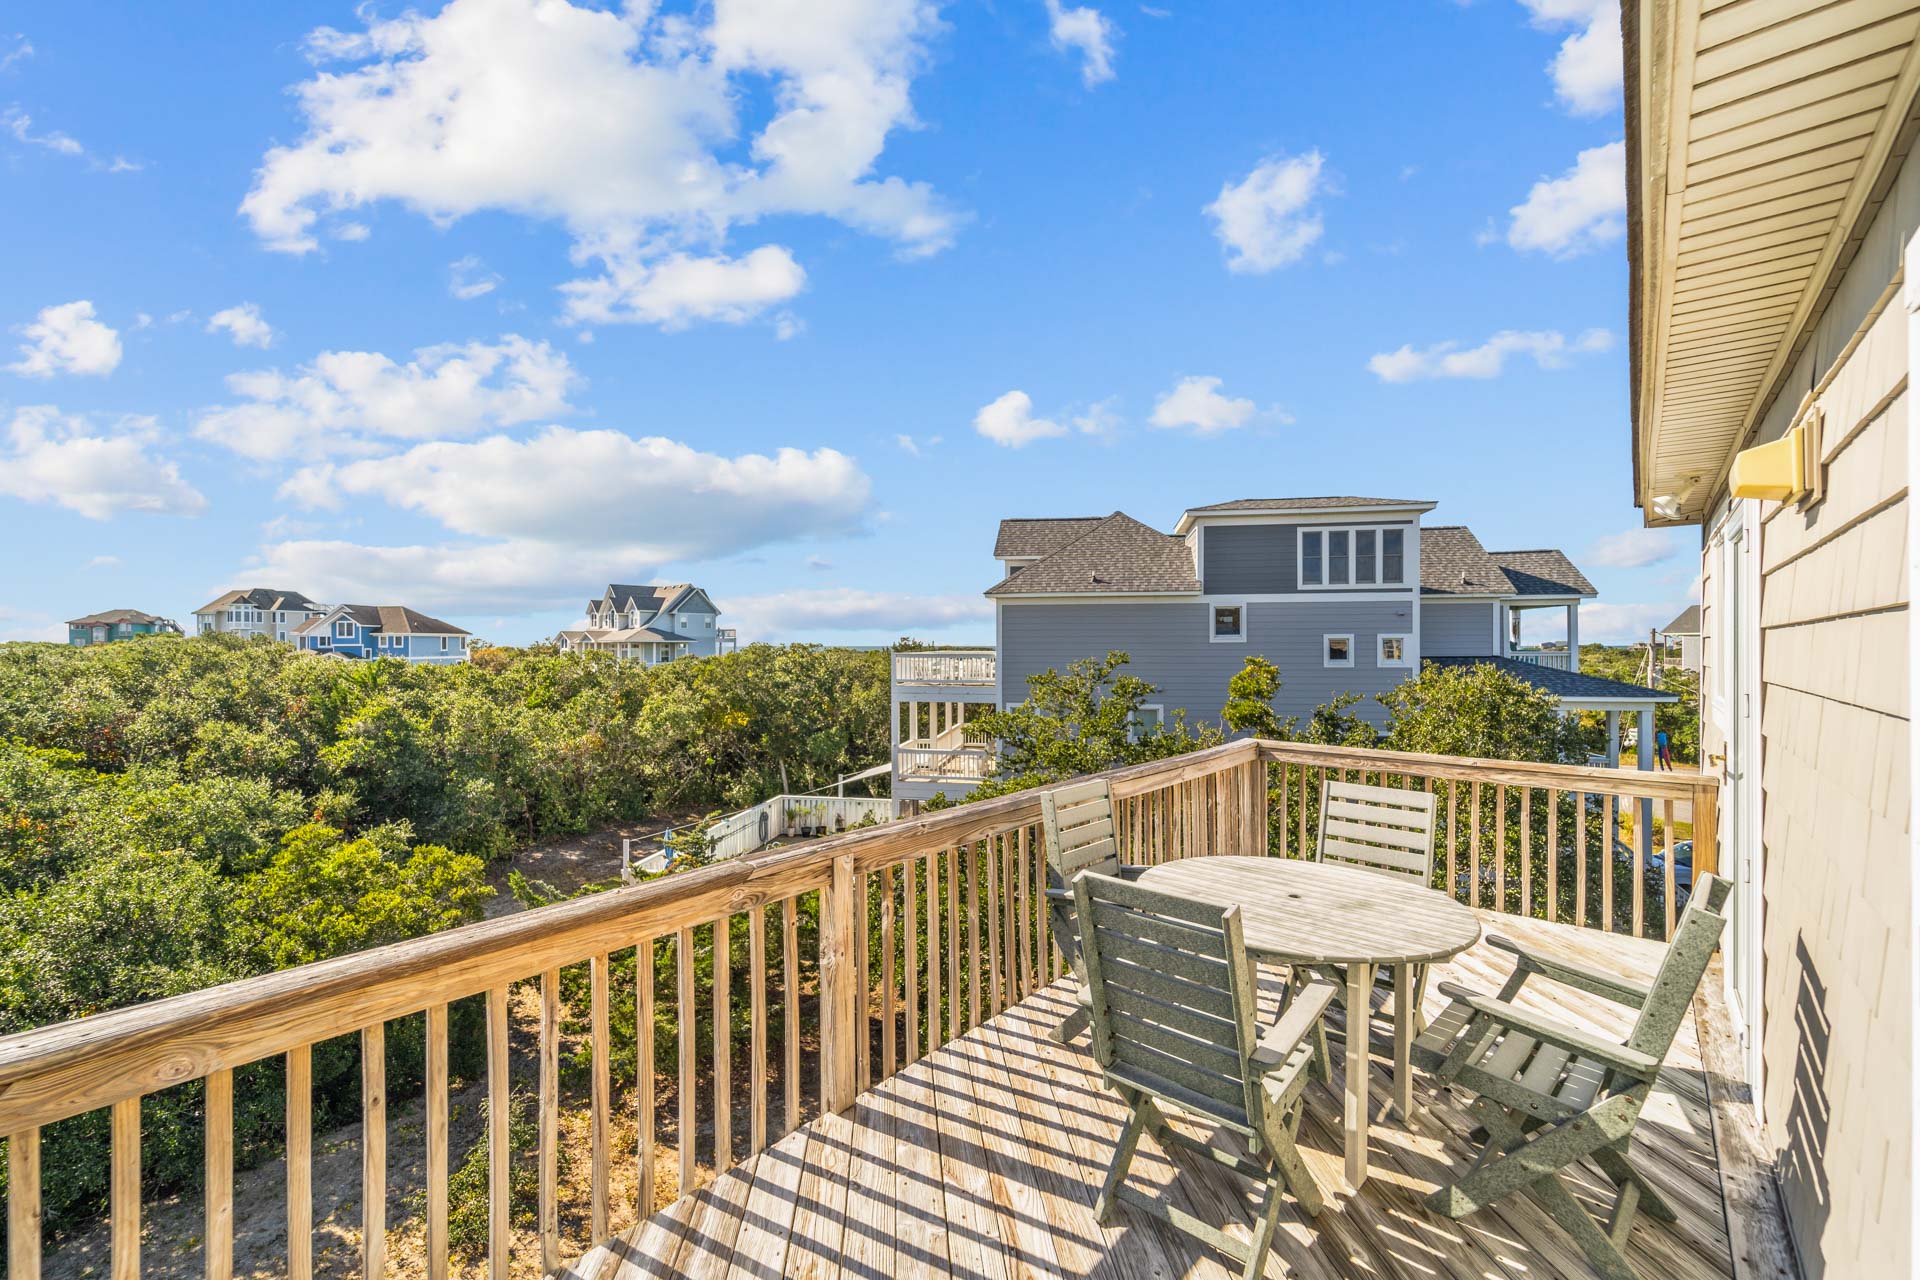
{"points": [[179, 813]]}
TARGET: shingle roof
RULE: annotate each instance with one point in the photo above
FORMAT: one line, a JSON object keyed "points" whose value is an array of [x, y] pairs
{"points": [[1453, 563], [1020, 538], [1543, 573], [649, 595], [1308, 504], [398, 620], [1565, 684], [260, 598], [1118, 554], [115, 615], [1687, 624]]}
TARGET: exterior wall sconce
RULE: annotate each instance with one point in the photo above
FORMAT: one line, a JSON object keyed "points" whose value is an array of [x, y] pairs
{"points": [[1785, 470]]}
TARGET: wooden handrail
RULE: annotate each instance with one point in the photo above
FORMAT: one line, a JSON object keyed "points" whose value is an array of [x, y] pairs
{"points": [[1639, 784]]}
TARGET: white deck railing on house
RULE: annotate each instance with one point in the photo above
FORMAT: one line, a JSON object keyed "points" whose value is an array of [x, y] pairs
{"points": [[942, 764], [1558, 659], [949, 666]]}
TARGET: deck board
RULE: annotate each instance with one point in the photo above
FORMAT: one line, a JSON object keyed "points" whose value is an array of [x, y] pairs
{"points": [[981, 1159]]}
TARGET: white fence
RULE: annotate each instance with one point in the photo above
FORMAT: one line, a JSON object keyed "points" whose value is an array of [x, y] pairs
{"points": [[943, 667], [954, 764], [1558, 659], [743, 832]]}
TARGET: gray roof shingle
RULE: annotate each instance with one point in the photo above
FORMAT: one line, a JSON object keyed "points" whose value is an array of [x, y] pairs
{"points": [[1307, 504], [1116, 554], [1687, 624], [1543, 572], [116, 615], [1564, 684], [1019, 538], [260, 598], [1453, 563]]}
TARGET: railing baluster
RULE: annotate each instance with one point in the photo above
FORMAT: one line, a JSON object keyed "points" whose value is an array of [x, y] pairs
{"points": [[1609, 833], [1473, 851], [1453, 838], [757, 1000], [645, 974], [684, 1021], [123, 1205], [1666, 863], [1553, 855], [218, 1248], [862, 988], [722, 1044], [499, 1238], [23, 1205], [953, 943], [1580, 858], [373, 1151], [991, 847], [790, 1002], [886, 972], [932, 878], [1023, 859], [974, 1001], [1500, 848], [1009, 940], [549, 1193], [1642, 817], [602, 1087], [436, 1142], [299, 1163], [1526, 851]]}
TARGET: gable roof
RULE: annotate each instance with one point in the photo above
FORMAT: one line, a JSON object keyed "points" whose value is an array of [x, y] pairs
{"points": [[1117, 555], [1021, 538], [1453, 563], [389, 619], [646, 595], [1543, 572], [260, 598], [117, 615], [1687, 624], [1306, 504]]}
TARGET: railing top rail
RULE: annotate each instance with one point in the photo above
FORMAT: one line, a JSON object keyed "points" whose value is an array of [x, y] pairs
{"points": [[53, 1072], [1638, 783]]}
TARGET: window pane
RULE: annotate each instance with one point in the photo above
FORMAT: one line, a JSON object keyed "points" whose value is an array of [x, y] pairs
{"points": [[1337, 558], [1390, 649], [1363, 556], [1339, 649], [1393, 556], [1310, 559], [1226, 622]]}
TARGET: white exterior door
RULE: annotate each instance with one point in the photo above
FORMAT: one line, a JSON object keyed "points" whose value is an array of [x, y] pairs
{"points": [[1732, 704]]}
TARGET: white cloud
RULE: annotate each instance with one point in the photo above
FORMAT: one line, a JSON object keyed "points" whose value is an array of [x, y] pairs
{"points": [[1195, 403], [104, 562], [1549, 349], [1633, 549], [244, 324], [1009, 421], [1605, 623], [468, 278], [1087, 31], [1582, 209], [67, 339], [22, 50], [1267, 219], [1101, 418], [96, 471], [19, 124], [344, 398], [544, 519], [819, 564], [638, 147], [798, 614], [677, 290], [1587, 69]]}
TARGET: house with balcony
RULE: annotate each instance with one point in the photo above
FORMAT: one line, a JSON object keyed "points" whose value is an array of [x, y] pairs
{"points": [[383, 631], [256, 611], [1343, 594], [650, 624], [117, 624]]}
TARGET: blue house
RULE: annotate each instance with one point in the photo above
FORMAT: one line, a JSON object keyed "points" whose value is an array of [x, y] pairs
{"points": [[383, 631]]}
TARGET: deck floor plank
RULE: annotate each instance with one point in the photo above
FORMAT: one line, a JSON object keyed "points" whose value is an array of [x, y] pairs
{"points": [[981, 1159]]}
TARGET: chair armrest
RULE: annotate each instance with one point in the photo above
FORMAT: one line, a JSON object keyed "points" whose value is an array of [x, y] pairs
{"points": [[1618, 990], [1295, 1025], [1061, 897], [1133, 873], [1641, 1066]]}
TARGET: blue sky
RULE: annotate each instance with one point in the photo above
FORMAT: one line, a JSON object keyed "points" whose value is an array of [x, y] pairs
{"points": [[477, 307]]}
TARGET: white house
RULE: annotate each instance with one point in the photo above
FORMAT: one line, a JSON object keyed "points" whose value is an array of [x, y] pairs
{"points": [[650, 624], [256, 611]]}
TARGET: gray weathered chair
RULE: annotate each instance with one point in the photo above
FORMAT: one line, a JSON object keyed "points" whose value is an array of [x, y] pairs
{"points": [[1382, 829], [1077, 823], [1550, 1094], [1174, 1001]]}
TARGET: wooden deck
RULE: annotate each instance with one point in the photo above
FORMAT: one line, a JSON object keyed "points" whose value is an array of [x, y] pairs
{"points": [[982, 1159]]}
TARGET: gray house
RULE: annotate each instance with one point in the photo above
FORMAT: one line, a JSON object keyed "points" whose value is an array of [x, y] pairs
{"points": [[1343, 594], [257, 611], [651, 623]]}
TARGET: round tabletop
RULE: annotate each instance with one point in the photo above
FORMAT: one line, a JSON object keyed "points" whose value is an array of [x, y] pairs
{"points": [[1313, 913]]}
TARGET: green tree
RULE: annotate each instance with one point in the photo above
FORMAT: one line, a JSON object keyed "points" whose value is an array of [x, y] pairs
{"points": [[1250, 695], [1478, 711]]}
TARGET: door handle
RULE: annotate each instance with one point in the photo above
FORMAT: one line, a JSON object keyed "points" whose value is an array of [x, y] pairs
{"points": [[1718, 758]]}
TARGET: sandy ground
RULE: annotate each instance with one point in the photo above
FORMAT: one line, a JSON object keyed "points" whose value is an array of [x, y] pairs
{"points": [[570, 863]]}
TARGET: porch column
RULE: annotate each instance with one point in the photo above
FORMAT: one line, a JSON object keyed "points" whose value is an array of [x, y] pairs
{"points": [[1613, 739], [1573, 636], [1646, 805]]}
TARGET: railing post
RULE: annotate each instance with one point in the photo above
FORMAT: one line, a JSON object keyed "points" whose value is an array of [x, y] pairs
{"points": [[840, 1020], [1256, 806], [1706, 831]]}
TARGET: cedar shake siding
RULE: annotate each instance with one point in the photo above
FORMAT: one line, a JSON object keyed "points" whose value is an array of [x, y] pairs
{"points": [[1168, 645]]}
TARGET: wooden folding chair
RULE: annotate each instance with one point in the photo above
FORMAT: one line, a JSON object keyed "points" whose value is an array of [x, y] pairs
{"points": [[1077, 824], [1382, 829], [1174, 1026], [1550, 1094]]}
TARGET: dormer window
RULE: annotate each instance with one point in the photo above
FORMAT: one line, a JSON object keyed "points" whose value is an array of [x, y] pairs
{"points": [[1356, 557]]}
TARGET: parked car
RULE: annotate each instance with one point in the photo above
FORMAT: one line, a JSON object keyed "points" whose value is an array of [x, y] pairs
{"points": [[1682, 864]]}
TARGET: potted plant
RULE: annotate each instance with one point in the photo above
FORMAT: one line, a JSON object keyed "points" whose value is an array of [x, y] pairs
{"points": [[840, 821]]}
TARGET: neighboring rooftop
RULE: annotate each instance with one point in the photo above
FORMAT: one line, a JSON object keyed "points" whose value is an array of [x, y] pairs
{"points": [[118, 615], [1306, 504], [260, 598], [391, 619], [1572, 686], [1023, 538], [1453, 563], [1543, 572], [1116, 555], [1687, 624]]}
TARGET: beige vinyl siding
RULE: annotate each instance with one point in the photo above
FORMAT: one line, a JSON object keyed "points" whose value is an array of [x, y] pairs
{"points": [[1835, 817]]}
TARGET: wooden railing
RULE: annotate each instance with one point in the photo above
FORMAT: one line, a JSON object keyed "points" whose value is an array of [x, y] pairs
{"points": [[862, 953], [943, 667], [943, 764]]}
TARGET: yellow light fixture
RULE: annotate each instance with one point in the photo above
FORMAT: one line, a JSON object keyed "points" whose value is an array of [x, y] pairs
{"points": [[1785, 470]]}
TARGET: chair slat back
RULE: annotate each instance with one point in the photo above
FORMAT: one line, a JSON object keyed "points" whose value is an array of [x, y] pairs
{"points": [[1078, 824], [1378, 828], [1172, 993], [1670, 994]]}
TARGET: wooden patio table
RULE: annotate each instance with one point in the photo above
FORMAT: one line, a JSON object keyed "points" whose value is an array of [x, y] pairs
{"points": [[1309, 913]]}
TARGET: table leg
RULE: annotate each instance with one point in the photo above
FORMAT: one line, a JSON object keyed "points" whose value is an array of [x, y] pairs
{"points": [[1403, 1015], [1359, 1007]]}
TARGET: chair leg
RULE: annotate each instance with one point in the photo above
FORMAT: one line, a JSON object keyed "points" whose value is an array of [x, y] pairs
{"points": [[1299, 1179], [1122, 1160], [1263, 1231], [1072, 1025], [1600, 1249], [1618, 1166]]}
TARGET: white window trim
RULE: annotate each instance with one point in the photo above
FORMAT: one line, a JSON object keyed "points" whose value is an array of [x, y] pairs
{"points": [[1406, 649], [1214, 607], [1326, 643], [1407, 542], [1159, 710]]}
